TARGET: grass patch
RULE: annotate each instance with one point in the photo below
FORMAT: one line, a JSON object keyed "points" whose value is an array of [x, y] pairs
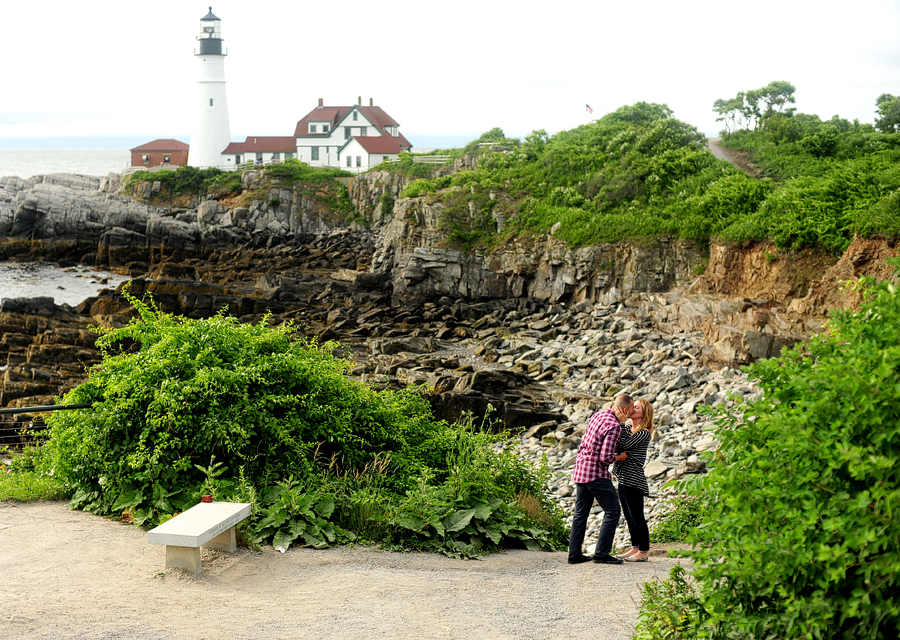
{"points": [[27, 486]]}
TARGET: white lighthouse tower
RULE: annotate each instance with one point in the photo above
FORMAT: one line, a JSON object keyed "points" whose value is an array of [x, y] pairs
{"points": [[211, 131]]}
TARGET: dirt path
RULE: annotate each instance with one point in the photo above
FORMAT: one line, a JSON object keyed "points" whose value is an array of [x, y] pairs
{"points": [[718, 151], [70, 574], [741, 159]]}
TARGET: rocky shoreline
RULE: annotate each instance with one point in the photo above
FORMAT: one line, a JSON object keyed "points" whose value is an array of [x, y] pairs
{"points": [[542, 334]]}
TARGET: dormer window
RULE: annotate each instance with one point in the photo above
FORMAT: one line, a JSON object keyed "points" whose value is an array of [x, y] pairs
{"points": [[312, 128], [324, 128]]}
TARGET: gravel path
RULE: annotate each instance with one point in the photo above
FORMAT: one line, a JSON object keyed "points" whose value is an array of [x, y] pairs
{"points": [[718, 151], [70, 574]]}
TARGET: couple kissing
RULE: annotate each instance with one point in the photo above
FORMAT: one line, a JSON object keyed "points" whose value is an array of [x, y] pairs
{"points": [[608, 441]]}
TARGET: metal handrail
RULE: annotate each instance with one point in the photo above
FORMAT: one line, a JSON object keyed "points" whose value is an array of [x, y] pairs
{"points": [[52, 407]]}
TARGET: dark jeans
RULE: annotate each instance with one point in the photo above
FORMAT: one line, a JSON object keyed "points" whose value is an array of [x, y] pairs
{"points": [[633, 508], [605, 494]]}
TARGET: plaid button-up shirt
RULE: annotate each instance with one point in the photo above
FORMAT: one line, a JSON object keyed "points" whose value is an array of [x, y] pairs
{"points": [[598, 447]]}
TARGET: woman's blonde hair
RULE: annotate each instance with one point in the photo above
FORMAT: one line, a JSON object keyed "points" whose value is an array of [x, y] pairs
{"points": [[647, 418]]}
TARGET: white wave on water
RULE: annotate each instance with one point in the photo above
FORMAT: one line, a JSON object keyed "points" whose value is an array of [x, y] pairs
{"points": [[65, 286]]}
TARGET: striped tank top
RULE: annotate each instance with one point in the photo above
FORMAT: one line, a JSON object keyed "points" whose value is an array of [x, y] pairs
{"points": [[630, 472]]}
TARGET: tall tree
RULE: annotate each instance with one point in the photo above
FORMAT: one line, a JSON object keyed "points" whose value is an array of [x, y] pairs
{"points": [[889, 112], [756, 105], [730, 112], [775, 96]]}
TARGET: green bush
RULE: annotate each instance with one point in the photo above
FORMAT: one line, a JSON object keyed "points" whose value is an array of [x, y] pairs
{"points": [[682, 515], [387, 203], [669, 608], [292, 170], [187, 180], [417, 187], [245, 412], [802, 539]]}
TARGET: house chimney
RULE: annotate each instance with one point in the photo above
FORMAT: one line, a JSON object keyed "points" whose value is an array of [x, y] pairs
{"points": [[371, 103], [320, 103], [359, 101]]}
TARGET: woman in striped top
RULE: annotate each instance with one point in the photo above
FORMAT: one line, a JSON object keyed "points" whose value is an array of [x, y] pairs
{"points": [[632, 481]]}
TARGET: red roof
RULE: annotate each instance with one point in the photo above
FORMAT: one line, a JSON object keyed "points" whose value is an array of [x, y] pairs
{"points": [[334, 115], [268, 144], [164, 144], [383, 144]]}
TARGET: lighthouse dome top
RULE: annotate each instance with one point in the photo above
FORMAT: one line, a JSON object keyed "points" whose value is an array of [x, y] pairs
{"points": [[210, 35]]}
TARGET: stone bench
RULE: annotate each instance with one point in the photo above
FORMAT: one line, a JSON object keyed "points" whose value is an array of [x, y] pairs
{"points": [[208, 524]]}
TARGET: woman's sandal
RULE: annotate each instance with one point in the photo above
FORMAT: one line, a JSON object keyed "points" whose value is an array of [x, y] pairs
{"points": [[636, 559]]}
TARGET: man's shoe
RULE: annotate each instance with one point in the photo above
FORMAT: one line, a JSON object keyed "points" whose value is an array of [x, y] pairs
{"points": [[607, 560], [579, 559]]}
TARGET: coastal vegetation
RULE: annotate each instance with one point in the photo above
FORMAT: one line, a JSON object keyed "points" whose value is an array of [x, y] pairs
{"points": [[191, 180], [638, 174], [800, 537], [249, 413]]}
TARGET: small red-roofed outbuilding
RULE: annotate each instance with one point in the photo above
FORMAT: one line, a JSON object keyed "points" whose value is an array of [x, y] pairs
{"points": [[160, 152]]}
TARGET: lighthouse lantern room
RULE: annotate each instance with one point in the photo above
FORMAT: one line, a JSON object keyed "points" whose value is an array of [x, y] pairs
{"points": [[211, 129]]}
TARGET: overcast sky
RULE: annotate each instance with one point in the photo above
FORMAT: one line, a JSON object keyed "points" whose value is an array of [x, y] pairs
{"points": [[125, 68]]}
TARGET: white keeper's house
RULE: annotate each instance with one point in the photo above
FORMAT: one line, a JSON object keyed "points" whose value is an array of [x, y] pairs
{"points": [[354, 138], [258, 150]]}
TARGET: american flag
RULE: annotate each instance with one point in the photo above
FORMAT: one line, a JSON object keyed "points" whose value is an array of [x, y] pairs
{"points": [[588, 108]]}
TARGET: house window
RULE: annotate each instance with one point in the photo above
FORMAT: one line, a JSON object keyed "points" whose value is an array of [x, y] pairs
{"points": [[259, 158], [237, 159], [312, 128], [276, 156], [166, 158], [354, 116], [288, 155], [346, 133], [145, 158], [210, 101], [324, 128], [358, 161], [315, 153], [363, 131], [349, 161]]}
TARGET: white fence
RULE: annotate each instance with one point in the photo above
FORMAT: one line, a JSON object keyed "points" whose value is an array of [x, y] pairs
{"points": [[255, 165]]}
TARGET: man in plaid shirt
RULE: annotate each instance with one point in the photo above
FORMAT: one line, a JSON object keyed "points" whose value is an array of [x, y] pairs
{"points": [[593, 480]]}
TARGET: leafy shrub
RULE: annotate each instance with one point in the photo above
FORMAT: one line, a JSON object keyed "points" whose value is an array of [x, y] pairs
{"points": [[669, 608], [246, 412], [801, 539], [417, 187], [387, 203], [292, 170], [681, 516]]}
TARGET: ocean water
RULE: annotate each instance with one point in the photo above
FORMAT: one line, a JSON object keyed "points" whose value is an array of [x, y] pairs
{"points": [[65, 286], [25, 163]]}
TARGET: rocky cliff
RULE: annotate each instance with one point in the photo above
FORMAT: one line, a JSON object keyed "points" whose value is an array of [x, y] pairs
{"points": [[280, 244]]}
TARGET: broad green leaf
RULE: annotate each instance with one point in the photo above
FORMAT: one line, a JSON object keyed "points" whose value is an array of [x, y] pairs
{"points": [[483, 511], [457, 521], [128, 500], [409, 521], [325, 506]]}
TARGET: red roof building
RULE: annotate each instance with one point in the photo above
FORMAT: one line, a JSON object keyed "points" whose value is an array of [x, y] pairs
{"points": [[259, 150], [356, 136], [160, 152]]}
